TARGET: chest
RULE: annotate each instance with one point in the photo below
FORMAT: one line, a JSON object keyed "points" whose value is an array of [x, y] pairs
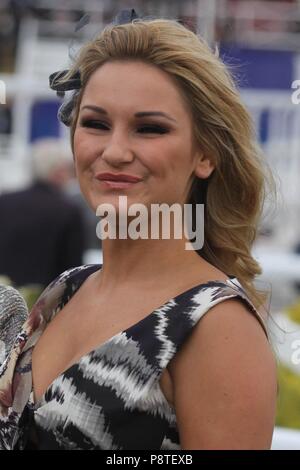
{"points": [[83, 325]]}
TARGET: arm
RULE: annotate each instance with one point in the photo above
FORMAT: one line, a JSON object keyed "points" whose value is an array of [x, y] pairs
{"points": [[224, 381]]}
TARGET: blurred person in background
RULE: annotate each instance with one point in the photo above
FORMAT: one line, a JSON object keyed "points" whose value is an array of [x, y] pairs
{"points": [[72, 190], [42, 230]]}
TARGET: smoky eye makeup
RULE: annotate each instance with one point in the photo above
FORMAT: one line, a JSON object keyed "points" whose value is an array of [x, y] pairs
{"points": [[92, 123], [141, 128]]}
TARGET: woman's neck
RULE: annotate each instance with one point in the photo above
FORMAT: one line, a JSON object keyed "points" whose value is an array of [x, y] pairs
{"points": [[145, 261]]}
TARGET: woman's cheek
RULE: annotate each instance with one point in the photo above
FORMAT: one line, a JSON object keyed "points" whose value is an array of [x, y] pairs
{"points": [[81, 140], [83, 152]]}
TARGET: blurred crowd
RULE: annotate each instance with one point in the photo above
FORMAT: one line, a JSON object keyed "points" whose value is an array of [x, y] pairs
{"points": [[12, 12]]}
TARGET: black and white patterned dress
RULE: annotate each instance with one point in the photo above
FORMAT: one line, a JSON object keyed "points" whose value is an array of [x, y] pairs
{"points": [[111, 399]]}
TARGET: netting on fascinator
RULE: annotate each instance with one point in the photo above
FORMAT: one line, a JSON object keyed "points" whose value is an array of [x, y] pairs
{"points": [[73, 83]]}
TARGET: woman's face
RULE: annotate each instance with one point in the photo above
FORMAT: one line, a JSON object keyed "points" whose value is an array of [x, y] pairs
{"points": [[114, 135]]}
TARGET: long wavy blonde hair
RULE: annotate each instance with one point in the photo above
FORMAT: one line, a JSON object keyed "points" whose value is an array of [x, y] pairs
{"points": [[234, 193]]}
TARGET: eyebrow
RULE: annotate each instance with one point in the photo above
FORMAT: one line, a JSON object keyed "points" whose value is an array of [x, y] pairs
{"points": [[140, 114]]}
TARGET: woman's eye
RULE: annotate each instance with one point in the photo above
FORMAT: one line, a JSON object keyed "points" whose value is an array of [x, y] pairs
{"points": [[153, 130], [93, 124], [142, 130]]}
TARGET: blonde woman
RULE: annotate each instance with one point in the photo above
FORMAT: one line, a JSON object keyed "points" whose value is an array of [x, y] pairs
{"points": [[160, 347]]}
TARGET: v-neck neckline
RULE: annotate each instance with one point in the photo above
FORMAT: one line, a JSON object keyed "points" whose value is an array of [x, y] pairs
{"points": [[230, 282], [90, 269]]}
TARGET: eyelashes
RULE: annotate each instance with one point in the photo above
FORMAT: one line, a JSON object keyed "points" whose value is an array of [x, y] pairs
{"points": [[146, 129]]}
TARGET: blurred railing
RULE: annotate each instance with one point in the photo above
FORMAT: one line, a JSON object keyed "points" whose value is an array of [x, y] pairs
{"points": [[15, 169], [278, 118]]}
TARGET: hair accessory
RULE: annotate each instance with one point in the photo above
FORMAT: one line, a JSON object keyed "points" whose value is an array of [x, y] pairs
{"points": [[74, 82], [126, 16]]}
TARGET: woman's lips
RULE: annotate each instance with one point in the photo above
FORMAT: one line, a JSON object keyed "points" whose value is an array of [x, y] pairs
{"points": [[117, 184], [117, 180]]}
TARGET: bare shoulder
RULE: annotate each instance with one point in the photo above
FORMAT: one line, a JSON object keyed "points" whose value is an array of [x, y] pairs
{"points": [[224, 382]]}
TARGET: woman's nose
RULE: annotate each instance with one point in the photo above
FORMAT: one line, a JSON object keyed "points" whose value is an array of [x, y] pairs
{"points": [[117, 150]]}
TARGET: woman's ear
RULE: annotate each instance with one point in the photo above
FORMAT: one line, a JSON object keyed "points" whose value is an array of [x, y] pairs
{"points": [[204, 166]]}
